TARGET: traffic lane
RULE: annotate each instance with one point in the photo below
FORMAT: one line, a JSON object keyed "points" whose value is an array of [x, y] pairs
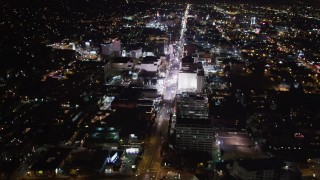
{"points": [[151, 155], [162, 173], [147, 157], [151, 175]]}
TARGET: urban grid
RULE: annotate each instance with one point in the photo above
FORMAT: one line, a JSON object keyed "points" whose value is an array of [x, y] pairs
{"points": [[160, 89]]}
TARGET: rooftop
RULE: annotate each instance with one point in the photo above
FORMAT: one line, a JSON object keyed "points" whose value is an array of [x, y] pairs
{"points": [[51, 159], [261, 164], [121, 59]]}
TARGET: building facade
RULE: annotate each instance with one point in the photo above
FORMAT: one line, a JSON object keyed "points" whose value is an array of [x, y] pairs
{"points": [[191, 76], [194, 130]]}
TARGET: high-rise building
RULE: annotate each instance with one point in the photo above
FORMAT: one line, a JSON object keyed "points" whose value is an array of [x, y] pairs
{"points": [[194, 129]]}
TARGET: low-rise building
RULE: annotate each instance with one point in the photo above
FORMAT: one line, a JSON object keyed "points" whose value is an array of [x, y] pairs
{"points": [[191, 76], [103, 137], [50, 163], [265, 169]]}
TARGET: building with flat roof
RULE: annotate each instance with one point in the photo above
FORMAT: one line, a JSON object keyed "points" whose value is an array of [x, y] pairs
{"points": [[109, 47], [50, 163], [149, 63], [107, 161], [134, 51], [269, 168], [139, 101], [120, 63], [115, 67], [103, 137], [194, 129], [191, 76]]}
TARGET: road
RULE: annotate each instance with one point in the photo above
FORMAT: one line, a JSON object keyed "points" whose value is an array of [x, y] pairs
{"points": [[150, 165]]}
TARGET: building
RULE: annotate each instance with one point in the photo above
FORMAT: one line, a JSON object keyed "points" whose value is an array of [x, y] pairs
{"points": [[253, 21], [120, 63], [139, 100], [149, 63], [264, 169], [149, 78], [103, 137], [203, 57], [194, 129], [191, 76], [116, 66], [50, 163], [133, 51], [111, 47], [107, 161], [106, 49]]}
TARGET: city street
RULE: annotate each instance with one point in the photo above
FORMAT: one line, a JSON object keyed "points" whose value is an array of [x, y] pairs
{"points": [[150, 166]]}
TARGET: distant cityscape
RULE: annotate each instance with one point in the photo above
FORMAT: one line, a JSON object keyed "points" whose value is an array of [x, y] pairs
{"points": [[138, 89]]}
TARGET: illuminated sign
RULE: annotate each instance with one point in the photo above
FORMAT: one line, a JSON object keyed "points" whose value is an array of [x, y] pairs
{"points": [[132, 150], [114, 157]]}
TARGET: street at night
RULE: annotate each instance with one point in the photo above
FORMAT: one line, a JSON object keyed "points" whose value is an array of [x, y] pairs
{"points": [[141, 89]]}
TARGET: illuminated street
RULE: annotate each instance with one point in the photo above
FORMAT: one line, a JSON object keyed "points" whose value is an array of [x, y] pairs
{"points": [[150, 166], [140, 89]]}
